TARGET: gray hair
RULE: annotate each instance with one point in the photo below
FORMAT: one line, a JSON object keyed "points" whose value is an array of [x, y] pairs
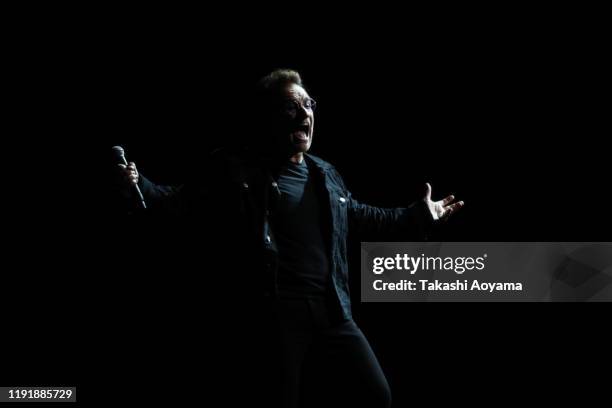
{"points": [[276, 80]]}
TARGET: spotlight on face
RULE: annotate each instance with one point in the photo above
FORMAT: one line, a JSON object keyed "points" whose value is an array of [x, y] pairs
{"points": [[295, 113]]}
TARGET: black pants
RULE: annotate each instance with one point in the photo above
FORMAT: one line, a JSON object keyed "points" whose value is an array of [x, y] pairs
{"points": [[326, 361]]}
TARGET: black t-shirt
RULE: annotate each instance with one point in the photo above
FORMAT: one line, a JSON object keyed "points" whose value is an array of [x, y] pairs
{"points": [[297, 225]]}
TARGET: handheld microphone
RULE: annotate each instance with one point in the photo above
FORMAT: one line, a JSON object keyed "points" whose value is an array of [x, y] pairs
{"points": [[119, 156]]}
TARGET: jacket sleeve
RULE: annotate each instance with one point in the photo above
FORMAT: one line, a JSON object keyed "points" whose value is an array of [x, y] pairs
{"points": [[159, 198], [412, 222], [189, 198]]}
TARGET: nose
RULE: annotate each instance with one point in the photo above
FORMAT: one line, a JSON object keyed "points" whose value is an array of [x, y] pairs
{"points": [[301, 114]]}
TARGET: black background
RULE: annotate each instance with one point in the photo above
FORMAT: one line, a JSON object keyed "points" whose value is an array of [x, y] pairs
{"points": [[511, 116], [512, 124]]}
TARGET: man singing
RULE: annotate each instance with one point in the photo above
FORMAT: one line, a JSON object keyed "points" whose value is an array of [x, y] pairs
{"points": [[282, 217]]}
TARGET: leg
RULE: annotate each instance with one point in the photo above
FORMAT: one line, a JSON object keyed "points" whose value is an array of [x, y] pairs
{"points": [[344, 371], [295, 332]]}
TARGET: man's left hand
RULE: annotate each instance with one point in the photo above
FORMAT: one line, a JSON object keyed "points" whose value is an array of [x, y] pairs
{"points": [[441, 210]]}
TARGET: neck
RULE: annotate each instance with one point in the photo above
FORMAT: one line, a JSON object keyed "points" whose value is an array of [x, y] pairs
{"points": [[297, 158], [275, 158]]}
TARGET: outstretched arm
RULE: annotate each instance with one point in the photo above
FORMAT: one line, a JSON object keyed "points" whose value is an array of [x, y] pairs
{"points": [[157, 197], [415, 220]]}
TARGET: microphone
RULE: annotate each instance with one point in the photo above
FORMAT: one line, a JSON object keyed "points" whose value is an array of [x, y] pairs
{"points": [[119, 157]]}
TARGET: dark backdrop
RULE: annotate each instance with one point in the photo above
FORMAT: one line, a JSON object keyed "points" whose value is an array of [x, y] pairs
{"points": [[511, 119], [510, 125]]}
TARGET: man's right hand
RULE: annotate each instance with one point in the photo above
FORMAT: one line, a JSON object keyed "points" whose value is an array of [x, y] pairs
{"points": [[129, 174]]}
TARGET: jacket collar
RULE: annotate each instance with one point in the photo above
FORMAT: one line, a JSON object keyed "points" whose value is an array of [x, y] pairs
{"points": [[319, 163], [311, 159]]}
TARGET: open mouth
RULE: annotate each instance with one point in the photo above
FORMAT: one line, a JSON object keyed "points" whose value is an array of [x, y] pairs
{"points": [[300, 133]]}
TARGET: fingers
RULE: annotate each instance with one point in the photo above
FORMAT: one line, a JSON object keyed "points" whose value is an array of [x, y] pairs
{"points": [[448, 200], [428, 191], [131, 167], [130, 174], [453, 208]]}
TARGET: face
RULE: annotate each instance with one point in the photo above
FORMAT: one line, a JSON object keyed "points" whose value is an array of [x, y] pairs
{"points": [[295, 120]]}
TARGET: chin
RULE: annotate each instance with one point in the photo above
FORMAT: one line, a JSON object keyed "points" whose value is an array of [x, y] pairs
{"points": [[304, 147], [300, 149]]}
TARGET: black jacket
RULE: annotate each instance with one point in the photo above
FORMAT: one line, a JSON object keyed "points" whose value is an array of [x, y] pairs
{"points": [[232, 201]]}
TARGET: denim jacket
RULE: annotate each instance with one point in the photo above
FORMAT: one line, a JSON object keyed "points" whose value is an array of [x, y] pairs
{"points": [[236, 196]]}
